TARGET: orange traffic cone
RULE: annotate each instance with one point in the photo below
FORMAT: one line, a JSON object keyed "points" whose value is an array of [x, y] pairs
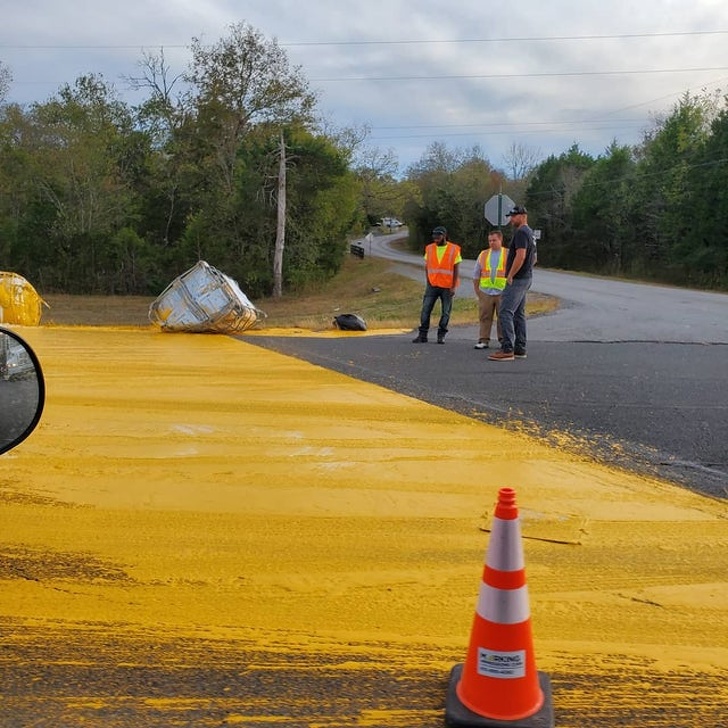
{"points": [[499, 685]]}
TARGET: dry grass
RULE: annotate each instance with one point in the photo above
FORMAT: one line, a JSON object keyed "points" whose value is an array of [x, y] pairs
{"points": [[66, 310], [364, 286]]}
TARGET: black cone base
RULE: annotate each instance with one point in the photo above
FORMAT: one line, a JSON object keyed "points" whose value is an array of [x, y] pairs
{"points": [[458, 716]]}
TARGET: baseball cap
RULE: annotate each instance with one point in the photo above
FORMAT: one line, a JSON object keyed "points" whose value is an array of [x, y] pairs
{"points": [[517, 210], [439, 230]]}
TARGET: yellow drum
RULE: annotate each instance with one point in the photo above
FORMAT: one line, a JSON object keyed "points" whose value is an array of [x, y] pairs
{"points": [[19, 301]]}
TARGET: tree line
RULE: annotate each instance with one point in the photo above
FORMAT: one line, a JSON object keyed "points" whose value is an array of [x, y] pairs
{"points": [[98, 196], [656, 211]]}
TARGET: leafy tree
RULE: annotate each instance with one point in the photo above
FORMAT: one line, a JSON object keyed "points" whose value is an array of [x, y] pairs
{"points": [[17, 169], [381, 193], [520, 161], [438, 158], [322, 201], [602, 215], [216, 172], [452, 187], [238, 82], [239, 90], [664, 194], [166, 189], [323, 198], [549, 200], [470, 186], [703, 256], [79, 150]]}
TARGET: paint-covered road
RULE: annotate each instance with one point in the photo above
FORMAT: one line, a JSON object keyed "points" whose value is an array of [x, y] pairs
{"points": [[660, 408], [638, 372], [203, 532]]}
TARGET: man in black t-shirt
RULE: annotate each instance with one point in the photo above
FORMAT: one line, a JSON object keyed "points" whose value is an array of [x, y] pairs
{"points": [[519, 276]]}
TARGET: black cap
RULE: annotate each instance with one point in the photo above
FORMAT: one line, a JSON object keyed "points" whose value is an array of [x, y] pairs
{"points": [[517, 210], [439, 230]]}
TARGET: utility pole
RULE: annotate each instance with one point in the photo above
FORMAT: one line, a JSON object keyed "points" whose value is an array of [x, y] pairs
{"points": [[281, 226]]}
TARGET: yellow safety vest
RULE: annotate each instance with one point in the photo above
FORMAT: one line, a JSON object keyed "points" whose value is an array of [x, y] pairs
{"points": [[486, 272]]}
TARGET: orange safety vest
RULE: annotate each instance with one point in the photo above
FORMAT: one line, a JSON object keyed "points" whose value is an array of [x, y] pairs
{"points": [[440, 273], [486, 271]]}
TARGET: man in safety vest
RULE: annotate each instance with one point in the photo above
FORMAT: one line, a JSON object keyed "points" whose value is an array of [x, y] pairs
{"points": [[489, 280], [442, 264]]}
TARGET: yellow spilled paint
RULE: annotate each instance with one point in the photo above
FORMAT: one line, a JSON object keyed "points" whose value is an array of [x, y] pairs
{"points": [[208, 495]]}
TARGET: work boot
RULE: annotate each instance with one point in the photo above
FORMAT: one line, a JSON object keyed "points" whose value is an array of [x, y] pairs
{"points": [[501, 356], [419, 339], [441, 338]]}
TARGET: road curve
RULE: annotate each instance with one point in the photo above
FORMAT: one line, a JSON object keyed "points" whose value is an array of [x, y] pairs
{"points": [[602, 309], [636, 373]]}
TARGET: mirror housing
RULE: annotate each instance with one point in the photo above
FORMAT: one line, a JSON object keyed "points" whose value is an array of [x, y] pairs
{"points": [[22, 390]]}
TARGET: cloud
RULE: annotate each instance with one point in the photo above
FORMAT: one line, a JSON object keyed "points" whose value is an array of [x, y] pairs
{"points": [[533, 73]]}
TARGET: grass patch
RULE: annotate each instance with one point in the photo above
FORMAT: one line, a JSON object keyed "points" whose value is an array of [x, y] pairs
{"points": [[364, 286], [367, 287], [67, 310]]}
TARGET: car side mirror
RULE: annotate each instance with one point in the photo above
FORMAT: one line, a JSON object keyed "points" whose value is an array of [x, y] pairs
{"points": [[22, 390]]}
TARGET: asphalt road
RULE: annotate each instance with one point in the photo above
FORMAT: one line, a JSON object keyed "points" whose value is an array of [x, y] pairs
{"points": [[635, 375]]}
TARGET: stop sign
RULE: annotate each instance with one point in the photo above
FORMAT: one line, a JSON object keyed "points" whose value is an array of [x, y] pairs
{"points": [[497, 208]]}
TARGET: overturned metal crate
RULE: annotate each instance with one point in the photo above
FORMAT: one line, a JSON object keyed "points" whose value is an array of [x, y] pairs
{"points": [[204, 300]]}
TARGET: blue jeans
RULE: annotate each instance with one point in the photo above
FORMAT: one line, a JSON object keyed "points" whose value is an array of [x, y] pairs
{"points": [[432, 294], [513, 315]]}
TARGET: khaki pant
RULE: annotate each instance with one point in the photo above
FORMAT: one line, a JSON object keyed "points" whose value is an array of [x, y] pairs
{"points": [[488, 308]]}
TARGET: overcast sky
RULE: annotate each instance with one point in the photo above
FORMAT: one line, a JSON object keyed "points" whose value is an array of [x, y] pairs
{"points": [[542, 74]]}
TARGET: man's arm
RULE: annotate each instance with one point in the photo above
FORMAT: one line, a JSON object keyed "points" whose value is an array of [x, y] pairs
{"points": [[455, 277], [477, 273]]}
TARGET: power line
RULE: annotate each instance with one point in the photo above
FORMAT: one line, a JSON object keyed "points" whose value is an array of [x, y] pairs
{"points": [[427, 41], [514, 132], [525, 39], [136, 46], [452, 77], [512, 123], [595, 124], [556, 74]]}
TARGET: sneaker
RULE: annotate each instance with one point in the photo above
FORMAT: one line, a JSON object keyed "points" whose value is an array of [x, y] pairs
{"points": [[440, 339], [520, 354], [481, 345], [419, 340], [501, 356]]}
